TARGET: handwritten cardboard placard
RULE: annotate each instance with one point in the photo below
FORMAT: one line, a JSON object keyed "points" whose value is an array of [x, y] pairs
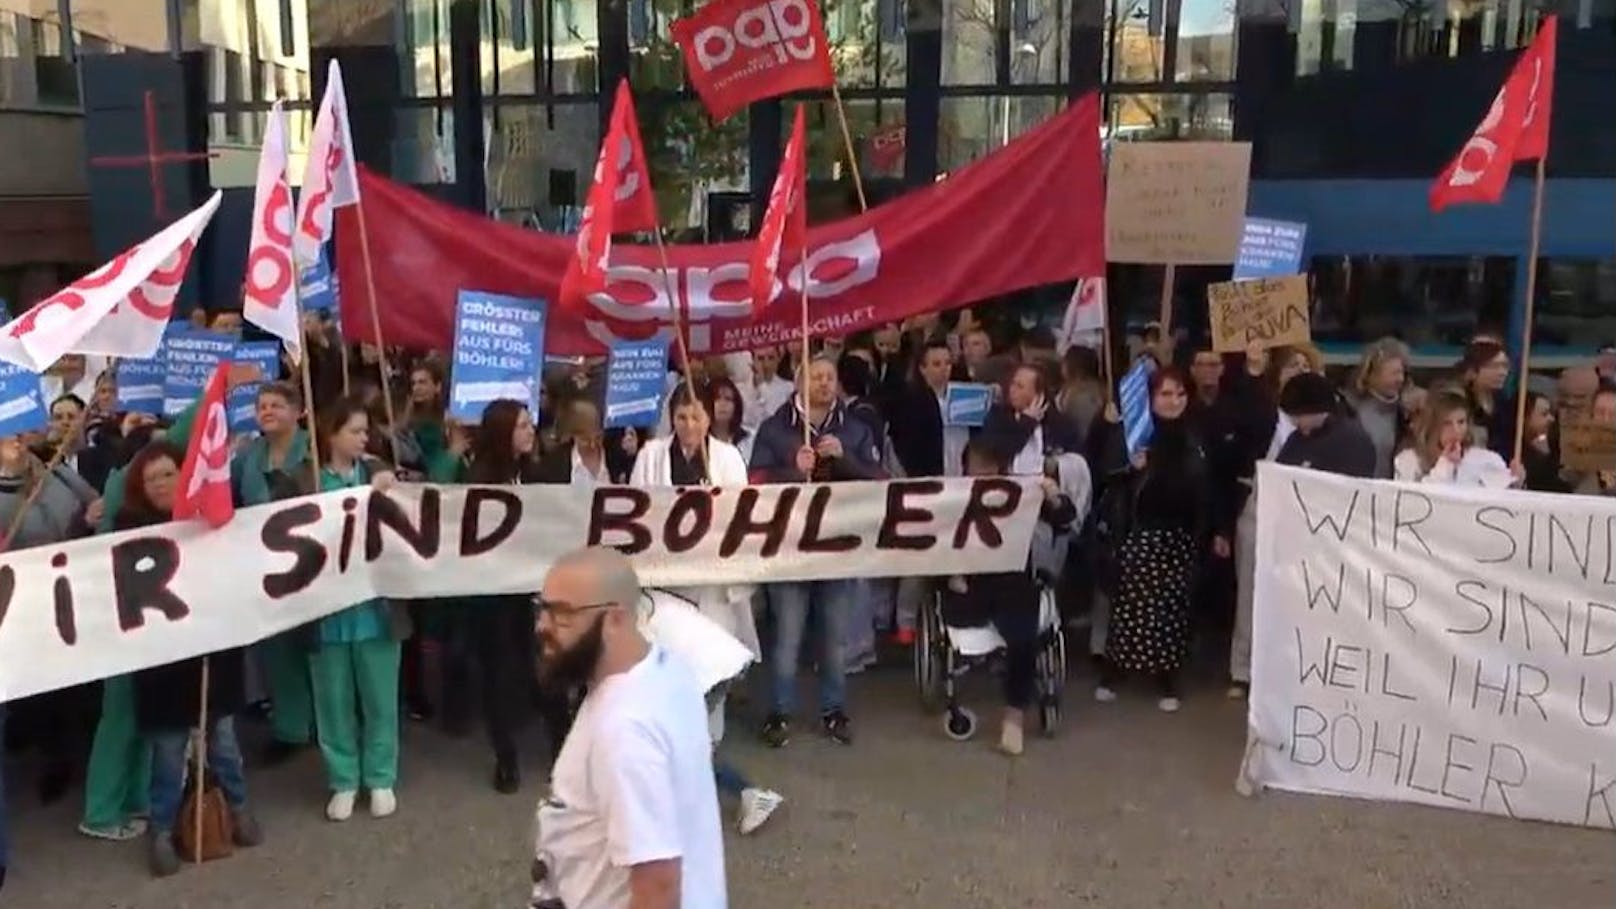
{"points": [[1267, 311], [1180, 203], [1587, 445]]}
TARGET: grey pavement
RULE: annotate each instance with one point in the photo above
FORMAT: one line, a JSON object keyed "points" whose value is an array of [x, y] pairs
{"points": [[1125, 808]]}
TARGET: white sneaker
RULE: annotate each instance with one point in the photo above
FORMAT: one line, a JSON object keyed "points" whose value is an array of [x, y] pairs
{"points": [[1104, 695], [383, 803], [1236, 692], [1168, 705], [340, 808], [757, 806]]}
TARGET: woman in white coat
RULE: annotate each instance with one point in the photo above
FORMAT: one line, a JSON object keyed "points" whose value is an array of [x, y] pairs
{"points": [[690, 456]]}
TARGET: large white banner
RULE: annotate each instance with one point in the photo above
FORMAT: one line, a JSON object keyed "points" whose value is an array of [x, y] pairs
{"points": [[114, 604], [1433, 644]]}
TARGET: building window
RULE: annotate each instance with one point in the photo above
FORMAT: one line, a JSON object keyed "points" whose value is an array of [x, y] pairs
{"points": [[55, 79], [288, 29], [521, 36]]}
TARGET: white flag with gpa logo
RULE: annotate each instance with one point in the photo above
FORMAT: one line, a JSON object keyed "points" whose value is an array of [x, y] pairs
{"points": [[270, 291], [1085, 315], [119, 310], [330, 180]]}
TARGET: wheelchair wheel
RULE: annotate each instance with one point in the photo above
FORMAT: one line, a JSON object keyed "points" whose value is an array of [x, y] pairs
{"points": [[928, 665], [959, 724]]}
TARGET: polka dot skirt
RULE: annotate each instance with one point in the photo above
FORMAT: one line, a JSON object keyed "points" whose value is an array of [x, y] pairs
{"points": [[1150, 614]]}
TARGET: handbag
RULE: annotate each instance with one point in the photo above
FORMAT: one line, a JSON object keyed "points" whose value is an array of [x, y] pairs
{"points": [[218, 830]]}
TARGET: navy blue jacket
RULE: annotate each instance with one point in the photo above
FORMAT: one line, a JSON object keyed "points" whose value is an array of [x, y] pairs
{"points": [[774, 451]]}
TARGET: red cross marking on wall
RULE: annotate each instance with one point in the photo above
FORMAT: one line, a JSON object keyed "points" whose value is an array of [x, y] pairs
{"points": [[154, 160]]}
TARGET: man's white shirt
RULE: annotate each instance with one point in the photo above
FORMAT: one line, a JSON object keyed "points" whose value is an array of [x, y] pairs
{"points": [[634, 784]]}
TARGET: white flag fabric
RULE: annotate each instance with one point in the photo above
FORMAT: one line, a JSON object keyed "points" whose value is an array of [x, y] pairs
{"points": [[270, 299], [330, 180], [1085, 315], [119, 310]]}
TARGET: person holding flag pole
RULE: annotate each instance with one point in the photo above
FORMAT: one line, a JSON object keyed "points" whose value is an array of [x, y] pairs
{"points": [[263, 471], [1516, 128]]}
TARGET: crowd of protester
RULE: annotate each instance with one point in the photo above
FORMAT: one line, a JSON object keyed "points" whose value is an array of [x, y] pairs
{"points": [[1162, 567]]}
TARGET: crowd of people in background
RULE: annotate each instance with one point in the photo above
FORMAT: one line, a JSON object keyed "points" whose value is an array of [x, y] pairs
{"points": [[1161, 574]]}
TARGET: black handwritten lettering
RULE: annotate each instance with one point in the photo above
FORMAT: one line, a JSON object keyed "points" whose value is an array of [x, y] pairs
{"points": [[1313, 736], [696, 505], [62, 596], [142, 569], [1337, 527], [8, 589], [1376, 751], [1314, 593], [1411, 524], [900, 512], [1491, 778], [1558, 530], [1481, 519], [1414, 765], [983, 516], [811, 528], [1338, 748], [350, 527], [1600, 790], [1306, 669], [1450, 763], [1588, 629], [308, 555], [1464, 590], [604, 519], [1386, 680], [472, 541], [772, 528], [1527, 674], [422, 537], [1582, 704]]}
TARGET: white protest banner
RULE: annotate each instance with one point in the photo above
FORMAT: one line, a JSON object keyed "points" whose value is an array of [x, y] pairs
{"points": [[104, 606], [1435, 644]]}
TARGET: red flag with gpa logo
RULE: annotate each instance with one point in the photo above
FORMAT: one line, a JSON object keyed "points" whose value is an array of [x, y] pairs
{"points": [[621, 189], [204, 483], [1516, 128], [740, 51], [786, 221]]}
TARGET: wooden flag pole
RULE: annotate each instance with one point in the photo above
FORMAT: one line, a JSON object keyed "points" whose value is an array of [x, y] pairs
{"points": [[55, 461], [201, 779], [681, 322], [1166, 316], [393, 429], [852, 156], [313, 419], [807, 358], [1531, 294]]}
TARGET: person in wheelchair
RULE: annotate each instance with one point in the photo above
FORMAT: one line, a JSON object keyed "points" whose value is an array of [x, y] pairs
{"points": [[1009, 601]]}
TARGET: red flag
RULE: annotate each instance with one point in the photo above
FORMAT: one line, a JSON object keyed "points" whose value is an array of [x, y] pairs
{"points": [[786, 221], [204, 484], [620, 199], [635, 204], [740, 51], [1516, 128]]}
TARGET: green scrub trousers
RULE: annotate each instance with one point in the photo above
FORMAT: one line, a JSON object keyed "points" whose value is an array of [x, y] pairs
{"points": [[356, 706], [117, 785]]}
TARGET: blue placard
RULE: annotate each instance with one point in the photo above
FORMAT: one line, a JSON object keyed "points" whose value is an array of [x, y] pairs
{"points": [[191, 355], [1134, 392], [967, 403], [317, 285], [21, 407], [243, 405], [636, 380], [498, 353], [141, 383], [1270, 249]]}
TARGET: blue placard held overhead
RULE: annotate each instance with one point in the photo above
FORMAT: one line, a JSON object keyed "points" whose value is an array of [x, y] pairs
{"points": [[498, 353], [21, 407], [1134, 394], [243, 402], [1270, 249], [317, 285], [141, 382], [967, 403], [191, 355], [636, 379]]}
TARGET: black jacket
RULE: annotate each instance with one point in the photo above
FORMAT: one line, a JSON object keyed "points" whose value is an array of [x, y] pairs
{"points": [[1007, 432], [915, 424], [1340, 446], [556, 467]]}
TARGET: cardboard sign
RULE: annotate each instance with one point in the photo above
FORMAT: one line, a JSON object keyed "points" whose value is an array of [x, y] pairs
{"points": [[1587, 445], [1434, 644], [1270, 249], [1267, 311], [967, 403], [1179, 203], [636, 378], [498, 353]]}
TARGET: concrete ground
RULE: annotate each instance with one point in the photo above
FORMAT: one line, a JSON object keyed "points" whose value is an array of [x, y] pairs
{"points": [[1126, 808]]}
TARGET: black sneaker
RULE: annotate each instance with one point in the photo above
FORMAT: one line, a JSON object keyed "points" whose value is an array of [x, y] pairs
{"points": [[777, 730], [838, 727]]}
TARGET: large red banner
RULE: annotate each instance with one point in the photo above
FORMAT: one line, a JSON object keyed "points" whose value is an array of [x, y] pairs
{"points": [[740, 51], [1031, 213]]}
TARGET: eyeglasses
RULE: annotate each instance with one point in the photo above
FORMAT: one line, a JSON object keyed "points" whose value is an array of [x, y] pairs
{"points": [[562, 613]]}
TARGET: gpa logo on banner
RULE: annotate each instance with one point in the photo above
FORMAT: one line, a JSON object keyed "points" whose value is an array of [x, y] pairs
{"points": [[782, 27]]}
